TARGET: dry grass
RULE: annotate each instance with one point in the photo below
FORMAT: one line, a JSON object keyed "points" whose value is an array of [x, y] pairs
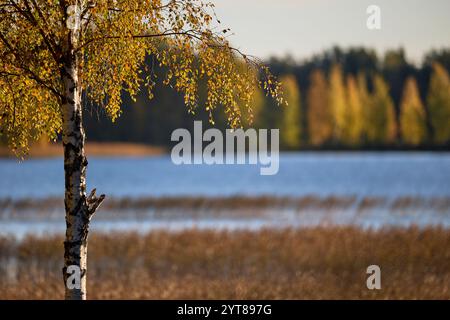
{"points": [[318, 263]]}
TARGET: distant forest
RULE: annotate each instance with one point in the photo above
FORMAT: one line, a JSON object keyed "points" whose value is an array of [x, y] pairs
{"points": [[340, 99]]}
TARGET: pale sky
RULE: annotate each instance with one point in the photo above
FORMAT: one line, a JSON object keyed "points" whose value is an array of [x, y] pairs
{"points": [[303, 27]]}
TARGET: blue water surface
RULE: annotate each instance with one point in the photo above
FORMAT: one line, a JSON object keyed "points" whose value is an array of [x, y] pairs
{"points": [[388, 174]]}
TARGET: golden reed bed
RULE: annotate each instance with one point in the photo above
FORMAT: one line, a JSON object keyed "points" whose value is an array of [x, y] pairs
{"points": [[318, 263]]}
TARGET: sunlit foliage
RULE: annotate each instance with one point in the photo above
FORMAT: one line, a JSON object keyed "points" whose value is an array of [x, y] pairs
{"points": [[320, 125], [291, 124], [112, 40], [339, 106], [439, 103], [412, 114], [251, 117], [355, 104], [380, 127]]}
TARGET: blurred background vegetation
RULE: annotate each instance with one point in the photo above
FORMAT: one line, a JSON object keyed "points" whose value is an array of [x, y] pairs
{"points": [[340, 99]]}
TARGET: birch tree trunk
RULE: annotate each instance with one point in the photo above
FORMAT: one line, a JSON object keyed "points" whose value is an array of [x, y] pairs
{"points": [[79, 208]]}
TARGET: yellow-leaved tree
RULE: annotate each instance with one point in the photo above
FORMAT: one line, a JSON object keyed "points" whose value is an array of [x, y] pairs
{"points": [[339, 105], [438, 101], [355, 103], [320, 118], [59, 55], [380, 125], [291, 121], [412, 114]]}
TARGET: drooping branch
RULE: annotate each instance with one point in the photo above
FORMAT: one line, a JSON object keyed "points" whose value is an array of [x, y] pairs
{"points": [[188, 33], [138, 36]]}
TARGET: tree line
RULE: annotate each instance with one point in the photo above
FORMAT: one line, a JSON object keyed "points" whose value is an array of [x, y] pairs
{"points": [[338, 99]]}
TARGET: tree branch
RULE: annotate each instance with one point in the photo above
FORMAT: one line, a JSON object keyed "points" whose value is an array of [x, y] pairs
{"points": [[93, 203], [188, 33], [28, 15], [31, 74], [164, 34]]}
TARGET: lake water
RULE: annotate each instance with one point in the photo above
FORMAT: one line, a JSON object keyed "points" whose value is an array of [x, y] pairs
{"points": [[375, 174], [389, 176]]}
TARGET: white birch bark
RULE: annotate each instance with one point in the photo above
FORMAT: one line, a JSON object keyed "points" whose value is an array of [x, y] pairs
{"points": [[79, 208]]}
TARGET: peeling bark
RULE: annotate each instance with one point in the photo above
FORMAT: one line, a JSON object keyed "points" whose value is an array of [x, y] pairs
{"points": [[79, 207]]}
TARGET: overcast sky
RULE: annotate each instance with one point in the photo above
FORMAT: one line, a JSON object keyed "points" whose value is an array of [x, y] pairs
{"points": [[304, 27]]}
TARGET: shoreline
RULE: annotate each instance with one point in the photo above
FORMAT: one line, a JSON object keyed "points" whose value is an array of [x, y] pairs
{"points": [[131, 149], [308, 201], [93, 149]]}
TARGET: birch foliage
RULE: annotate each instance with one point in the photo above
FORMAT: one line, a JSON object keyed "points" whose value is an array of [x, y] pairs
{"points": [[112, 40]]}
